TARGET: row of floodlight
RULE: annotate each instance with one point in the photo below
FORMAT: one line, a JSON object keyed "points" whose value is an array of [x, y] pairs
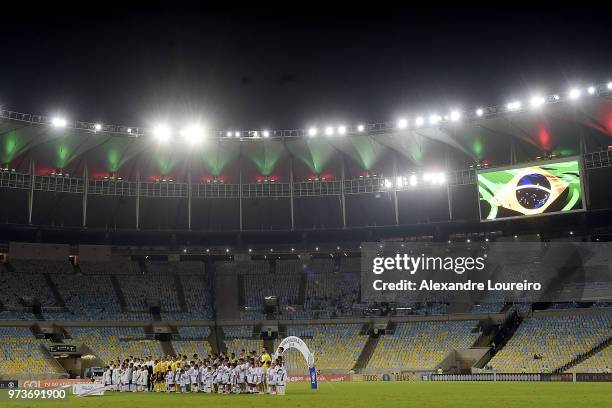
{"points": [[435, 178], [535, 102], [196, 133]]}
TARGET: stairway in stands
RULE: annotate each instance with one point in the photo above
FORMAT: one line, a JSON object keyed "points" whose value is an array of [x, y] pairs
{"points": [[119, 293], [219, 339], [213, 339], [226, 299], [56, 294], [505, 332], [180, 293], [581, 357], [368, 349], [302, 290]]}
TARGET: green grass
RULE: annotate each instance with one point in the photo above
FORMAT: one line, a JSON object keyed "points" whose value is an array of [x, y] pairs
{"points": [[370, 394]]}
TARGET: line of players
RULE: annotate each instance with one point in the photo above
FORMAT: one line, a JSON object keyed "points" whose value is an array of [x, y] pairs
{"points": [[217, 374]]}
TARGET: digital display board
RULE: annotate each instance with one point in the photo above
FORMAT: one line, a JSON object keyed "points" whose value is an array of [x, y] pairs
{"points": [[544, 188]]}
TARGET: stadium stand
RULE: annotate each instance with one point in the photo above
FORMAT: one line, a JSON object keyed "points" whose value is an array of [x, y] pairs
{"points": [[256, 287], [352, 264], [118, 266], [89, 297], [600, 362], [41, 266], [236, 332], [286, 266], [139, 290], [320, 265], [197, 290], [22, 354], [422, 345], [336, 346], [237, 345], [248, 267], [110, 343], [193, 340], [543, 343], [25, 284], [332, 292]]}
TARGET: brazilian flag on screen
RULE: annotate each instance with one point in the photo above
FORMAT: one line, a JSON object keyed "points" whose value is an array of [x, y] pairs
{"points": [[539, 189]]}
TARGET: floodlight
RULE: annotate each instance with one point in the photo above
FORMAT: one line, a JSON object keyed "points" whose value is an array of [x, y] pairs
{"points": [[265, 133], [162, 133], [479, 112], [413, 180], [312, 132], [341, 130], [329, 131], [419, 121], [97, 127], [434, 119], [609, 86], [193, 134], [229, 134], [58, 122], [513, 106], [455, 115], [536, 101], [361, 128], [575, 93], [402, 123], [591, 90]]}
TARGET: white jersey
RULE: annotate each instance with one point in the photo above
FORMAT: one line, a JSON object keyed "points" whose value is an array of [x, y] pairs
{"points": [[281, 375], [272, 373], [193, 375], [225, 378], [182, 379], [115, 376], [144, 377], [136, 377], [170, 377], [126, 376], [106, 377], [209, 378]]}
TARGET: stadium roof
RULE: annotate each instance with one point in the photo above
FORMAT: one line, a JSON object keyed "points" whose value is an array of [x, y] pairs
{"points": [[555, 129]]}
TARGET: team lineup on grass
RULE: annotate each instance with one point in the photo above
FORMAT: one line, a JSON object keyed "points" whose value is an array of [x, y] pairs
{"points": [[219, 373]]}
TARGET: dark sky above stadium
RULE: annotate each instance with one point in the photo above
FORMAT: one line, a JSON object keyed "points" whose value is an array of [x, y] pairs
{"points": [[275, 68]]}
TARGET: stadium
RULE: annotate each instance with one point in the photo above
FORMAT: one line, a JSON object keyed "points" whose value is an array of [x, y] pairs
{"points": [[449, 256], [116, 246]]}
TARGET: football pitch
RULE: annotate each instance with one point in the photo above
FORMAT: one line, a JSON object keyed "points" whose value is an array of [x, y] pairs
{"points": [[369, 394]]}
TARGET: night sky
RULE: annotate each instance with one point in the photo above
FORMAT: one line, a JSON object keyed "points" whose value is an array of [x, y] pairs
{"points": [[264, 68]]}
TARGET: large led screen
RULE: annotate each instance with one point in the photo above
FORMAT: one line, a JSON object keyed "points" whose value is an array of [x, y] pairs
{"points": [[538, 189]]}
